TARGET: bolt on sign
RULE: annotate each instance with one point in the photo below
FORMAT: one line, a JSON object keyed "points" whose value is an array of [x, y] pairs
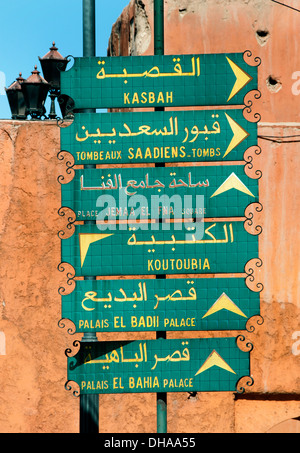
{"points": [[172, 136], [164, 192], [159, 80], [181, 248], [136, 305], [186, 365]]}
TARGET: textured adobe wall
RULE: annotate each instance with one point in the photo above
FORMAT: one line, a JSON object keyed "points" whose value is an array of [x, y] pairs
{"points": [[32, 371]]}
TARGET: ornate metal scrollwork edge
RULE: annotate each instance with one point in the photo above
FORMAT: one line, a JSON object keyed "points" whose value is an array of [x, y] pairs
{"points": [[71, 220], [70, 282], [250, 275], [61, 324], [257, 151], [248, 346], [59, 121], [68, 387], [72, 58], [76, 344], [249, 159], [259, 321], [249, 222], [248, 104], [70, 275], [249, 382], [69, 166], [248, 54]]}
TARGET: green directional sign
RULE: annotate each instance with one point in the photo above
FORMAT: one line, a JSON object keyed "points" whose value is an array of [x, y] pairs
{"points": [[159, 80], [186, 365], [171, 248], [151, 193], [171, 136], [136, 305]]}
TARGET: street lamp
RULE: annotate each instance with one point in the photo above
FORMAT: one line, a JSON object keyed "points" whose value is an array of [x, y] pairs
{"points": [[52, 64], [35, 90], [16, 100]]}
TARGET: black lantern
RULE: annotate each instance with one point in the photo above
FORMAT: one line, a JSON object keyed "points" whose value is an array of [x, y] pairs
{"points": [[16, 100], [52, 65], [35, 90]]}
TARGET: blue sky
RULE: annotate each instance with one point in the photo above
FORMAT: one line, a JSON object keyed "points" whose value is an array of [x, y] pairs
{"points": [[29, 27]]}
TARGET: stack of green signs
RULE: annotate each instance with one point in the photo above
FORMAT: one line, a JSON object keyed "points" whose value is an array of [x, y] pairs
{"points": [[170, 220]]}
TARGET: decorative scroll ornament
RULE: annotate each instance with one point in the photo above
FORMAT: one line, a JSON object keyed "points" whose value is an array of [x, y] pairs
{"points": [[68, 351], [245, 346], [62, 290], [258, 319], [70, 277], [251, 267], [250, 224], [249, 168], [68, 387], [62, 324], [71, 219], [254, 94], [250, 60], [249, 115], [62, 155], [69, 384], [243, 382]]}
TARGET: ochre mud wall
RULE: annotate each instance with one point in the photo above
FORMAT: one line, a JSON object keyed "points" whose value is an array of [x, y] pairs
{"points": [[32, 360]]}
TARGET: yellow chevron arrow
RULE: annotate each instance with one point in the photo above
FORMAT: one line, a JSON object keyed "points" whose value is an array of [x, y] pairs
{"points": [[242, 78], [232, 182], [214, 359], [224, 303], [85, 239], [239, 134]]}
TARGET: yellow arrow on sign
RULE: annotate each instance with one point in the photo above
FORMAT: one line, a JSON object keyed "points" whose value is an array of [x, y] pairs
{"points": [[242, 78], [224, 303], [232, 182], [239, 134], [214, 359], [85, 239]]}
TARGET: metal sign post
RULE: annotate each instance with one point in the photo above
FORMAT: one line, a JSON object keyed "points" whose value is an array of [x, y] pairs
{"points": [[161, 397], [89, 404]]}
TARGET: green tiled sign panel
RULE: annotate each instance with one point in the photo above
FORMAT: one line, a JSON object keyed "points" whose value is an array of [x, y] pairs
{"points": [[159, 80], [172, 136], [160, 305], [208, 364], [131, 193], [223, 247]]}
